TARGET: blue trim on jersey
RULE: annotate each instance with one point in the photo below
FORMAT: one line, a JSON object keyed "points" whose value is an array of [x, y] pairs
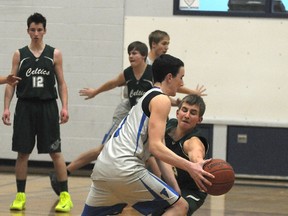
{"points": [[107, 135], [143, 118], [148, 207], [166, 185], [116, 134]]}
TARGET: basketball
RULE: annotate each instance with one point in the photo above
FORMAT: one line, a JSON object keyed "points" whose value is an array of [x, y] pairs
{"points": [[224, 177]]}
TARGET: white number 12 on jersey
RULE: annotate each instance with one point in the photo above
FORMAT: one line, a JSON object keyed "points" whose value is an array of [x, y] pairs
{"points": [[38, 82]]}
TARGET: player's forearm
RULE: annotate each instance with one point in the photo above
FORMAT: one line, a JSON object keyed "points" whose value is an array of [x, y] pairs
{"points": [[168, 174], [3, 80], [161, 152], [196, 156], [63, 94], [200, 90], [185, 90], [105, 87], [9, 92]]}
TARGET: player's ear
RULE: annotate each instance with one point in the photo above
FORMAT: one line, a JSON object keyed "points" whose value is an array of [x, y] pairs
{"points": [[169, 76], [200, 119]]}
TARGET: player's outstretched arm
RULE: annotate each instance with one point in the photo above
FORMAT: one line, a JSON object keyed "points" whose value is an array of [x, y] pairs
{"points": [[195, 149], [111, 84], [10, 79], [3, 80], [200, 90]]}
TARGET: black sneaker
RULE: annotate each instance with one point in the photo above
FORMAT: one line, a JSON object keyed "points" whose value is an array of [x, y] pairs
{"points": [[54, 183]]}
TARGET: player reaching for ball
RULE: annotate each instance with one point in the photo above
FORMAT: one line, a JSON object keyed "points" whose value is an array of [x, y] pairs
{"points": [[184, 139], [141, 133], [224, 176]]}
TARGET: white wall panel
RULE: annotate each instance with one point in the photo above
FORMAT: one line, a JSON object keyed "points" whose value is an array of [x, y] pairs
{"points": [[241, 61]]}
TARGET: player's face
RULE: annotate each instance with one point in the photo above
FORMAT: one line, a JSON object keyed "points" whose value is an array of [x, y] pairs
{"points": [[136, 58], [177, 82], [36, 32], [188, 116], [161, 47]]}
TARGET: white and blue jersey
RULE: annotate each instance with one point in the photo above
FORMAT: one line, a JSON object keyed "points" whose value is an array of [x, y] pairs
{"points": [[127, 149], [119, 175]]}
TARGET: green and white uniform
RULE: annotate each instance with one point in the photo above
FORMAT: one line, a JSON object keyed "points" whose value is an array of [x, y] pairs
{"points": [[36, 112], [136, 89], [189, 189]]}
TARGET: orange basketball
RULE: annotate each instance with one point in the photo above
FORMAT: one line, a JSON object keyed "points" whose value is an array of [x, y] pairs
{"points": [[224, 176]]}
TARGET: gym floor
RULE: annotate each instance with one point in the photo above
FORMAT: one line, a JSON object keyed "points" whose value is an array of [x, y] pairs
{"points": [[246, 198]]}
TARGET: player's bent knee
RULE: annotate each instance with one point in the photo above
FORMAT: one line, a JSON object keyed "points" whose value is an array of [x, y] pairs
{"points": [[55, 155], [182, 206]]}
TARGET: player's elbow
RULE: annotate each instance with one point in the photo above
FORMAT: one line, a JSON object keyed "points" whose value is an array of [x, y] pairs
{"points": [[154, 150]]}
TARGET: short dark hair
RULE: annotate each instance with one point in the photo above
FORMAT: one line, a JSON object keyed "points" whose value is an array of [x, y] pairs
{"points": [[138, 46], [156, 36], [164, 65], [193, 99], [36, 18]]}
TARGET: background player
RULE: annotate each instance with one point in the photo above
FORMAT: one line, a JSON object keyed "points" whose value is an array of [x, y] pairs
{"points": [[38, 64]]}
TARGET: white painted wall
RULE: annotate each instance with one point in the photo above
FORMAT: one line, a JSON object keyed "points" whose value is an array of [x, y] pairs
{"points": [[241, 61]]}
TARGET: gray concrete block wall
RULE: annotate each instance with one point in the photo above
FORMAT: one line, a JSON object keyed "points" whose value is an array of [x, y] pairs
{"points": [[90, 35], [149, 8]]}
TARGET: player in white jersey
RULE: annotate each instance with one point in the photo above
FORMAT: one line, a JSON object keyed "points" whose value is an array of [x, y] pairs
{"points": [[119, 176]]}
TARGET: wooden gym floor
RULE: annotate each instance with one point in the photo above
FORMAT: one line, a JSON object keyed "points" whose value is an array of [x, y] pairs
{"points": [[244, 199]]}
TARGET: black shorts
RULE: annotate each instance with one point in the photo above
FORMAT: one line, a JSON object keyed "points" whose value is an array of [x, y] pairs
{"points": [[36, 119], [195, 199]]}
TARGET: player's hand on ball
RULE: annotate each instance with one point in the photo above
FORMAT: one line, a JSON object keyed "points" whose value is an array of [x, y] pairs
{"points": [[199, 175], [224, 176]]}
